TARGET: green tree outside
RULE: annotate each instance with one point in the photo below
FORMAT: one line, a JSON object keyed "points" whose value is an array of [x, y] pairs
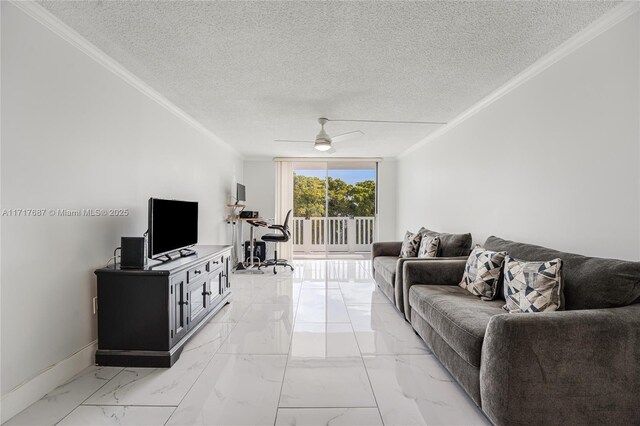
{"points": [[345, 200]]}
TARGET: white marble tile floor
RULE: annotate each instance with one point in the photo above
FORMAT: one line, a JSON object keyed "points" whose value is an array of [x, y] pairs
{"points": [[318, 346]]}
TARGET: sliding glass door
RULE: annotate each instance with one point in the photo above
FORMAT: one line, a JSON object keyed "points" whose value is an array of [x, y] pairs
{"points": [[334, 208], [351, 201]]}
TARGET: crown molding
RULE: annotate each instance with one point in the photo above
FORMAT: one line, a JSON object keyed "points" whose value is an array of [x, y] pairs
{"points": [[329, 159], [599, 26], [317, 159], [55, 25]]}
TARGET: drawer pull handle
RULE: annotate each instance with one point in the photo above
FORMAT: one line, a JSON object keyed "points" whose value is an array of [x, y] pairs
{"points": [[197, 271], [183, 303], [215, 261], [206, 293]]}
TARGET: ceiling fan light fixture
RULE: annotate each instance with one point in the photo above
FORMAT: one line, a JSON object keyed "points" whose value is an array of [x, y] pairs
{"points": [[323, 141], [322, 145]]}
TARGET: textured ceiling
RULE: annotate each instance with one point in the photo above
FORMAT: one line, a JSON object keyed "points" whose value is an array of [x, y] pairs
{"points": [[252, 72]]}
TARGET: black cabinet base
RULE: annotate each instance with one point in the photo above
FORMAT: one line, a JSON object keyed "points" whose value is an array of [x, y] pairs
{"points": [[109, 358], [153, 359]]}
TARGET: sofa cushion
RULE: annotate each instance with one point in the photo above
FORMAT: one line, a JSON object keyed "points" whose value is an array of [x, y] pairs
{"points": [[429, 246], [451, 245], [386, 267], [532, 286], [589, 282], [459, 317]]}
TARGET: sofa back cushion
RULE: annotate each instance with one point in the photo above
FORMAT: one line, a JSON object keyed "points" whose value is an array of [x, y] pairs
{"points": [[589, 282], [451, 245]]}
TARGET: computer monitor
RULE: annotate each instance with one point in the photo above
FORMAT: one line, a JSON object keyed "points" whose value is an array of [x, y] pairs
{"points": [[240, 193]]}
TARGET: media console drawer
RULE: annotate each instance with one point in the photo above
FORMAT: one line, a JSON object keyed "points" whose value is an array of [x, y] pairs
{"points": [[217, 262], [146, 316], [197, 272]]}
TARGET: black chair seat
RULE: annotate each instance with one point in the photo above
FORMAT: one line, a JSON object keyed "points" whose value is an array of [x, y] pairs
{"points": [[275, 237]]}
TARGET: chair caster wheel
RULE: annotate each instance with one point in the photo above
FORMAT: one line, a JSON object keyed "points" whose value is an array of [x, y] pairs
{"points": [[274, 270], [291, 268]]}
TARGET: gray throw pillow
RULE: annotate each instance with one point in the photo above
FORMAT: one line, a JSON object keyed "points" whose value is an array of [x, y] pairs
{"points": [[482, 272], [533, 286], [411, 243], [429, 247]]}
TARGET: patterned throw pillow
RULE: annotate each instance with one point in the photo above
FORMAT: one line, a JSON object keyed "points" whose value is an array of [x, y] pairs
{"points": [[429, 246], [533, 286], [411, 243], [482, 272]]}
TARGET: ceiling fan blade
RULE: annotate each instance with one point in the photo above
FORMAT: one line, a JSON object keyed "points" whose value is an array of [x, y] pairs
{"points": [[387, 121], [347, 136], [286, 140]]}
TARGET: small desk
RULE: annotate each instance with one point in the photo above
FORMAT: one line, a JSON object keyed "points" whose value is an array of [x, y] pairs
{"points": [[239, 267]]}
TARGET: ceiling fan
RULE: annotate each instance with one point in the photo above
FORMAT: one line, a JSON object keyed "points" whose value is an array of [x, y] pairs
{"points": [[323, 140]]}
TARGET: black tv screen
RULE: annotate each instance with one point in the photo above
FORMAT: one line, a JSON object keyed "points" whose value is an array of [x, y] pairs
{"points": [[173, 225]]}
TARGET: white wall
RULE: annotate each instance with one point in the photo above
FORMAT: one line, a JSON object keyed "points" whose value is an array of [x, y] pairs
{"points": [[260, 180], [74, 135], [554, 162]]}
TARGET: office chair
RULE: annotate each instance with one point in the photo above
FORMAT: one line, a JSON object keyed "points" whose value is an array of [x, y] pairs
{"points": [[281, 237]]}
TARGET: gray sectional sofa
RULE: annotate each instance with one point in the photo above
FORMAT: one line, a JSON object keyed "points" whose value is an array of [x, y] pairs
{"points": [[578, 366], [387, 265]]}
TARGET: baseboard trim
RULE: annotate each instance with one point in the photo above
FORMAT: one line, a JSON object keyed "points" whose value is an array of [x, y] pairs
{"points": [[55, 25], [599, 26], [35, 388]]}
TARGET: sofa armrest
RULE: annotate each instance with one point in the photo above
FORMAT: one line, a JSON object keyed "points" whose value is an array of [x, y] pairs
{"points": [[437, 271], [385, 248], [578, 367], [399, 287]]}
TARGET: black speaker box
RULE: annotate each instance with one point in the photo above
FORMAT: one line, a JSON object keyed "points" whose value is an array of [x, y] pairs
{"points": [[132, 253], [249, 214]]}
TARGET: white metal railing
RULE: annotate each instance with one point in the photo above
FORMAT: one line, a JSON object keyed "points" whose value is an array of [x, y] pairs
{"points": [[345, 234]]}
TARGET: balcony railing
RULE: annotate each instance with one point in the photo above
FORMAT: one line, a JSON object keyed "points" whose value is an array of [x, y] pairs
{"points": [[334, 234]]}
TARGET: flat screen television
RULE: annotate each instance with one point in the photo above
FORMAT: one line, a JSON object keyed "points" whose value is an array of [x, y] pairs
{"points": [[241, 194], [173, 225]]}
